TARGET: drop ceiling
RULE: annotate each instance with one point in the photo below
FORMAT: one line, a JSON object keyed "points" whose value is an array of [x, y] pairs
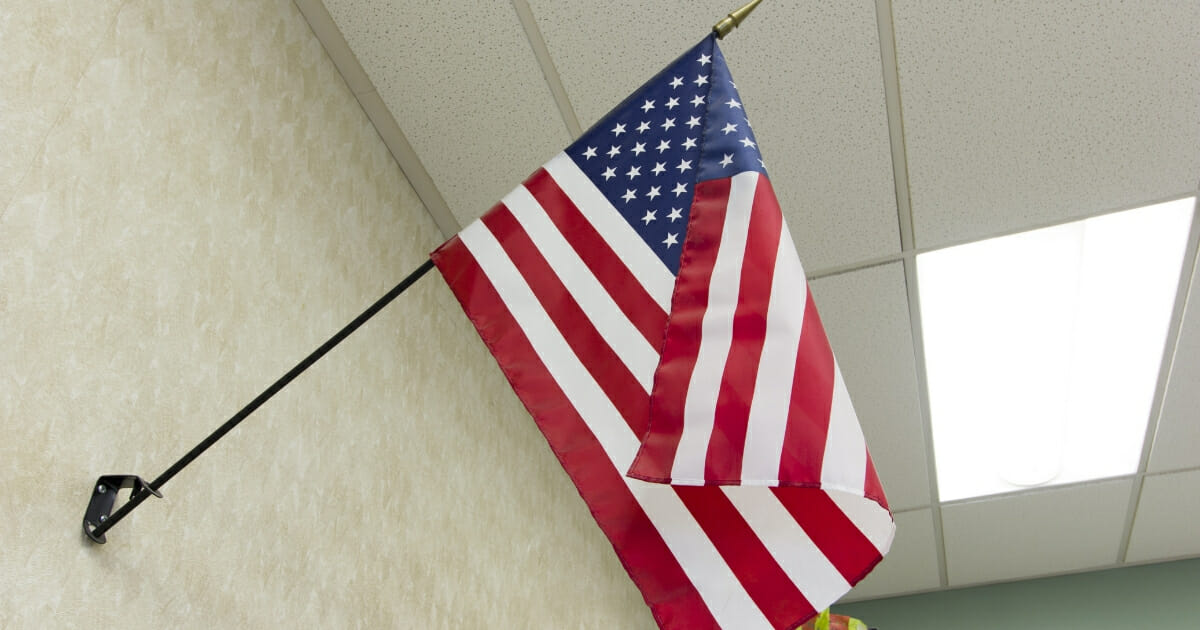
{"points": [[889, 129]]}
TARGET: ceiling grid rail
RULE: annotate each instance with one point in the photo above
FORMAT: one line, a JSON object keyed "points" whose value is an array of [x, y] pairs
{"points": [[541, 52], [895, 118], [910, 254], [1170, 347]]}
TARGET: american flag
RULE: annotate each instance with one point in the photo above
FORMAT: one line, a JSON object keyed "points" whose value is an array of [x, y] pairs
{"points": [[642, 294]]}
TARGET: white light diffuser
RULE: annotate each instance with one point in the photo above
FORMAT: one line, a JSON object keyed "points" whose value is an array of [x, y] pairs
{"points": [[1042, 349]]}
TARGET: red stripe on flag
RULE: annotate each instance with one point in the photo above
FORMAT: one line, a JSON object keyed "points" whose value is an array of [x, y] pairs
{"points": [[593, 351], [758, 572], [766, 583], [723, 462], [764, 580], [812, 397], [632, 298], [673, 600], [671, 380], [873, 488], [838, 538]]}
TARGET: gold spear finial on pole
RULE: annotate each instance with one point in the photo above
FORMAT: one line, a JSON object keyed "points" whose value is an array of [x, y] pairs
{"points": [[733, 20]]}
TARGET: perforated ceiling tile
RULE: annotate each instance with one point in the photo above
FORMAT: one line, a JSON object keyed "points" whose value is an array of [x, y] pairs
{"points": [[1167, 525], [462, 82], [604, 50], [1177, 440], [910, 566], [809, 75], [865, 314], [1028, 112], [1043, 533]]}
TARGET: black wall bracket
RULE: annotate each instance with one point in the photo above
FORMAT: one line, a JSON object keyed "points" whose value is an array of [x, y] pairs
{"points": [[104, 496]]}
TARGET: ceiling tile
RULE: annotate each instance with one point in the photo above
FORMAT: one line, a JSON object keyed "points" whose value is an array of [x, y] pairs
{"points": [[910, 566], [465, 88], [865, 314], [1177, 439], [1167, 524], [810, 76], [604, 50], [1040, 533], [1023, 113]]}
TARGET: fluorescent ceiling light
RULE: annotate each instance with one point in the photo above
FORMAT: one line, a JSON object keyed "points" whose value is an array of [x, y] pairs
{"points": [[1042, 349]]}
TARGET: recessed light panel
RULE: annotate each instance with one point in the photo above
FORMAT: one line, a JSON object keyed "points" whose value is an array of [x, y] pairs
{"points": [[1042, 349]]}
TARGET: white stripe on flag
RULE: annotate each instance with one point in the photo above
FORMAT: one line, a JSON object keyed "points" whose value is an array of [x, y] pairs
{"points": [[767, 423], [616, 329], [869, 517], [844, 466], [789, 544], [709, 574], [625, 241], [716, 336]]}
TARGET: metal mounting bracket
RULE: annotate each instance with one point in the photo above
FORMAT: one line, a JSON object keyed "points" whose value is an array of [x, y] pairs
{"points": [[104, 496]]}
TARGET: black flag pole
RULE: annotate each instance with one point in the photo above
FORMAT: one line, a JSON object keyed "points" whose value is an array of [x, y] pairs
{"points": [[99, 517]]}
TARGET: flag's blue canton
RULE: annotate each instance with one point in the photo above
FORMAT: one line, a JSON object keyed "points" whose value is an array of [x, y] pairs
{"points": [[729, 145], [683, 126]]}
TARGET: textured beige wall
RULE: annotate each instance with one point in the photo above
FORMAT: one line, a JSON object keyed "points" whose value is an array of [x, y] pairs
{"points": [[191, 201]]}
